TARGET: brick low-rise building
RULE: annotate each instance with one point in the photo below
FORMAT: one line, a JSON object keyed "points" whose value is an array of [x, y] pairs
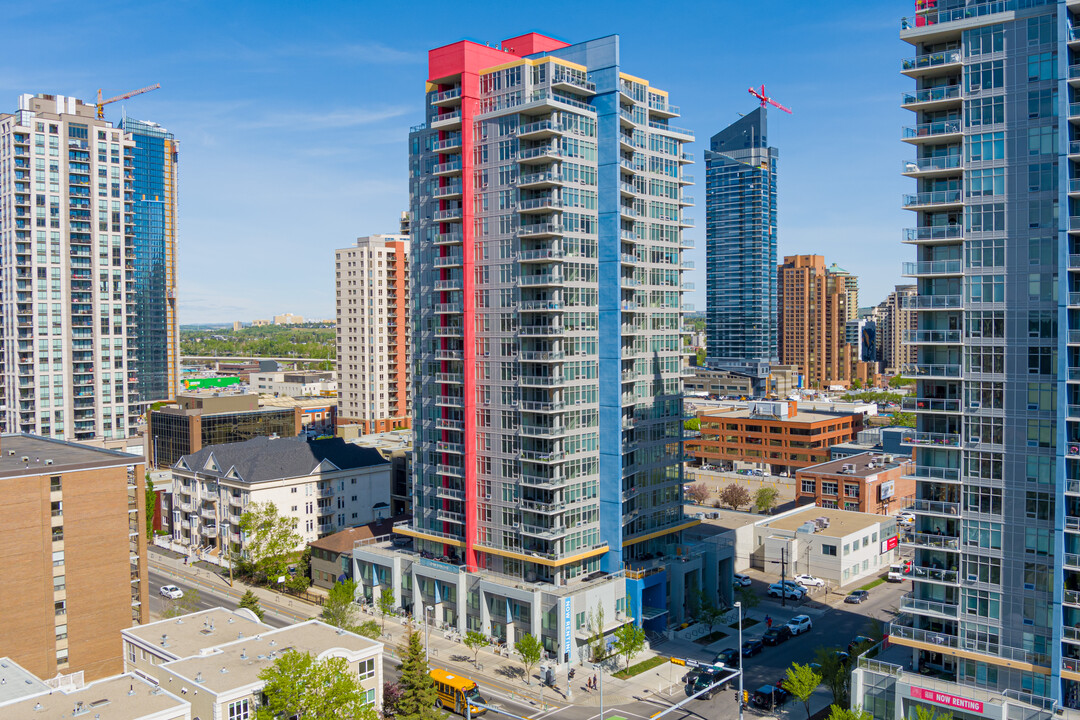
{"points": [[773, 434], [868, 482]]}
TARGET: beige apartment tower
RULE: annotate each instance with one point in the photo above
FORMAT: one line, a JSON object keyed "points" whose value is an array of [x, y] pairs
{"points": [[813, 315], [74, 544], [373, 333], [899, 321]]}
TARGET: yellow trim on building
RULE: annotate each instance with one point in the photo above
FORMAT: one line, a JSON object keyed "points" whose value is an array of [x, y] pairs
{"points": [[533, 62], [633, 78], [404, 530], [957, 652], [542, 560], [658, 91], [658, 533]]}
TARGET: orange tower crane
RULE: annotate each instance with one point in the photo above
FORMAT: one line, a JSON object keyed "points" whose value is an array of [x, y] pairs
{"points": [[102, 103]]}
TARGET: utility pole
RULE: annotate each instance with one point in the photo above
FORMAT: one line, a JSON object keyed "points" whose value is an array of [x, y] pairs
{"points": [[783, 577]]}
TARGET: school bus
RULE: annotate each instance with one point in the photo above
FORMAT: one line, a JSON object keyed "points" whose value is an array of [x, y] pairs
{"points": [[453, 689]]}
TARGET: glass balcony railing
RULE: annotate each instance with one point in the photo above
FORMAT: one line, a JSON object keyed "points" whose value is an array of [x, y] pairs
{"points": [[934, 267], [931, 60], [932, 129], [932, 302], [937, 17], [926, 164], [935, 197], [932, 233], [932, 439], [949, 337], [934, 94]]}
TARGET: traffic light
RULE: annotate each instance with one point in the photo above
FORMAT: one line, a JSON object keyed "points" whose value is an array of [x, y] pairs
{"points": [[746, 697]]}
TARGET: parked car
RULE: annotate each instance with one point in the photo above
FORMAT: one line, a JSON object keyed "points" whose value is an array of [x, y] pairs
{"points": [[800, 624], [791, 593], [842, 656], [905, 518], [776, 635], [768, 697], [728, 658], [752, 647], [809, 581], [856, 596], [859, 640], [741, 580], [171, 591]]}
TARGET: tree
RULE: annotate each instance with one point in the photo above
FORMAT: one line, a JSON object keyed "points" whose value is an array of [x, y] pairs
{"points": [[340, 609], [735, 495], [629, 641], [300, 580], [835, 672], [765, 499], [856, 713], [475, 641], [709, 613], [801, 682], [925, 713], [698, 493], [189, 603], [902, 419], [899, 381], [693, 424], [391, 695], [297, 685], [530, 650], [251, 602], [748, 599], [418, 696], [385, 603], [595, 626], [269, 539], [856, 384], [369, 628], [699, 357], [151, 503]]}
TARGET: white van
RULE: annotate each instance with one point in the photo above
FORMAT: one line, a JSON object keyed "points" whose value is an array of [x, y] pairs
{"points": [[896, 573]]}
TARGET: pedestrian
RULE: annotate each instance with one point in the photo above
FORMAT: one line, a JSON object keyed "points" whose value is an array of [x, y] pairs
{"points": [[768, 622], [594, 681]]}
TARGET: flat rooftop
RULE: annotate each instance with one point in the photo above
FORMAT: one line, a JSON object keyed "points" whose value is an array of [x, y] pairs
{"points": [[188, 634], [803, 416], [17, 682], [65, 456], [243, 660], [391, 439], [841, 522], [727, 520], [862, 463], [121, 697]]}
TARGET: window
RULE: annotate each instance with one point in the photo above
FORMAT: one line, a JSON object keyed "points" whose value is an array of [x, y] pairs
{"points": [[369, 697], [990, 74], [985, 40], [1041, 66], [983, 603], [366, 668], [851, 490], [984, 111], [1038, 505], [809, 486], [131, 652], [828, 550], [239, 710], [829, 488], [986, 146], [982, 534]]}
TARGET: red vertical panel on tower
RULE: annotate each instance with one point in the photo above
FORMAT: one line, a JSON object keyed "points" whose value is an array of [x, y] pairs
{"points": [[467, 59]]}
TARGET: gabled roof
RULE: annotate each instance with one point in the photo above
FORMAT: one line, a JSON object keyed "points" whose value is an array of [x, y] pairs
{"points": [[263, 459]]}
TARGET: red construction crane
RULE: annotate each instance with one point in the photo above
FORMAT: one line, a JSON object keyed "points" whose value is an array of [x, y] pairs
{"points": [[766, 100], [102, 103]]}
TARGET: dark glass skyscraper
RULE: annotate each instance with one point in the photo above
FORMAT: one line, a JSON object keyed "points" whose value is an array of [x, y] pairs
{"points": [[740, 248], [154, 194]]}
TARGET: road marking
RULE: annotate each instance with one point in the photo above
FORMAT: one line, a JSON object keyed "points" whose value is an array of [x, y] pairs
{"points": [[230, 593]]}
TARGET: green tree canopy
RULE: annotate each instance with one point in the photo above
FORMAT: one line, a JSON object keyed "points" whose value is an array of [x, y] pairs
{"points": [[529, 650], [251, 602], [765, 498], [270, 539], [297, 685], [340, 609], [801, 682], [385, 602], [475, 641], [629, 641], [418, 694]]}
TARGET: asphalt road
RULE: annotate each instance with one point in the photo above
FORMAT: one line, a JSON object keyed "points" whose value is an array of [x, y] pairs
{"points": [[835, 627], [208, 599]]}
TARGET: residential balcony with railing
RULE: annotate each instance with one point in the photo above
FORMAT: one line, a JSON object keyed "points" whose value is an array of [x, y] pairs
{"points": [[911, 604], [932, 439], [934, 234], [938, 164], [928, 61], [931, 268], [933, 371], [940, 94], [932, 507], [935, 131], [934, 198], [942, 337], [917, 404]]}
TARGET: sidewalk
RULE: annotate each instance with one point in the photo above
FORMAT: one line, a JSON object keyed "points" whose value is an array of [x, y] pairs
{"points": [[288, 607]]}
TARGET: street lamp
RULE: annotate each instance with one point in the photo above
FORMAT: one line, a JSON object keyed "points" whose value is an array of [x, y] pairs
{"points": [[600, 676], [426, 628], [739, 605]]}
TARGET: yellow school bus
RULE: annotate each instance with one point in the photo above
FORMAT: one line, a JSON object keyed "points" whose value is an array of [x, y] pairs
{"points": [[453, 689]]}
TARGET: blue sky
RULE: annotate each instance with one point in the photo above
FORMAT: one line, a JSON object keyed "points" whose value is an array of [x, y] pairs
{"points": [[293, 117]]}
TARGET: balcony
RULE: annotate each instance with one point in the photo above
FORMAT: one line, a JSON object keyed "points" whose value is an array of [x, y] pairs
{"points": [[928, 607], [931, 62], [450, 167], [932, 98], [540, 230], [540, 153], [451, 493], [933, 507], [932, 166], [447, 97], [540, 279], [540, 531], [932, 302], [939, 131], [932, 405], [933, 234], [950, 577], [451, 143], [934, 199], [925, 636], [541, 255], [447, 121], [451, 470], [540, 180], [935, 337], [450, 190], [932, 439], [933, 268], [682, 133], [448, 238], [937, 474], [542, 204]]}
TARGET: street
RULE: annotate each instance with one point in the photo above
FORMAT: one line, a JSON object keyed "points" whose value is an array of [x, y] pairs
{"points": [[834, 625]]}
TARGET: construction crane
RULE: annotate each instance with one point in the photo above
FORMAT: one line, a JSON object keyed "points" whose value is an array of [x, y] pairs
{"points": [[765, 99], [102, 103]]}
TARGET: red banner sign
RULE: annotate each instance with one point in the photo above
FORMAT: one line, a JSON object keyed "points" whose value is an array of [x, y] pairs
{"points": [[945, 699]]}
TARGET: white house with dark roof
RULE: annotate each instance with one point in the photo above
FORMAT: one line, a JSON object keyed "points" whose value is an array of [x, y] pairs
{"points": [[327, 485]]}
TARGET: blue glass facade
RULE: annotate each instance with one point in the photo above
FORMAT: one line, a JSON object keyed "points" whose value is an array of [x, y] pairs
{"points": [[153, 187], [740, 252]]}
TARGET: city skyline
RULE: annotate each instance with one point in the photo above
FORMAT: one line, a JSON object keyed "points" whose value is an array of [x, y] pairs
{"points": [[254, 188]]}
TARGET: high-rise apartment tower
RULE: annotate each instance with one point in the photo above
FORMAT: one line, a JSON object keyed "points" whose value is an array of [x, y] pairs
{"points": [[995, 603], [740, 248], [813, 312], [373, 333], [70, 302], [547, 218]]}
